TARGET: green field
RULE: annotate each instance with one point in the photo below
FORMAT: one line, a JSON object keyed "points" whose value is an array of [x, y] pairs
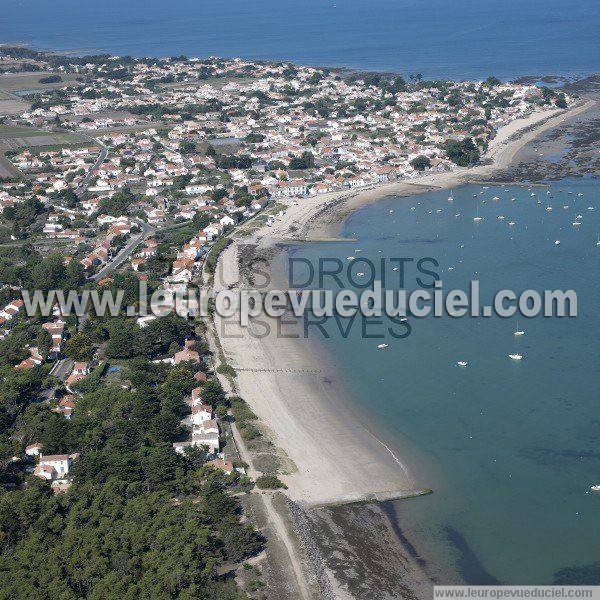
{"points": [[14, 82], [6, 131]]}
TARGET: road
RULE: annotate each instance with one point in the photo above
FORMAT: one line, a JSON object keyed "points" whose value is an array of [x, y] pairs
{"points": [[62, 368], [81, 190], [125, 253]]}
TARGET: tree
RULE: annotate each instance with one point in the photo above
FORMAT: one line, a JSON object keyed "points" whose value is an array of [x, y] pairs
{"points": [[305, 161], [79, 347], [218, 194], [214, 394], [43, 342], [125, 341], [561, 101], [187, 147], [254, 138], [492, 81], [117, 204], [23, 214], [420, 163], [270, 482], [463, 153], [164, 331], [50, 274]]}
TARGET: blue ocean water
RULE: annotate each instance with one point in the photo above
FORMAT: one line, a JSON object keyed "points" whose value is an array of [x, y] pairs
{"points": [[457, 39], [509, 448]]}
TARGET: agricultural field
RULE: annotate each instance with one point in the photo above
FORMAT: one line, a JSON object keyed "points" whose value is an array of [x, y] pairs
{"points": [[35, 140], [20, 82], [11, 105], [7, 171], [16, 138]]}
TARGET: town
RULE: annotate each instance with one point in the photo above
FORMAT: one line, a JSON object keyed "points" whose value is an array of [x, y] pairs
{"points": [[170, 155], [116, 171]]}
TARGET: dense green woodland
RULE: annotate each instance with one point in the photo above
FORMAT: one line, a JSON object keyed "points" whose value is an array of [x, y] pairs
{"points": [[139, 521]]}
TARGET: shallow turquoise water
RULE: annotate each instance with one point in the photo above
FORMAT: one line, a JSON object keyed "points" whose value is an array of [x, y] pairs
{"points": [[510, 449]]}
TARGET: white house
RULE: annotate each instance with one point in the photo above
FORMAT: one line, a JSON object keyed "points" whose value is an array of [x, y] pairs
{"points": [[226, 221], [201, 413], [287, 189], [33, 449], [53, 466], [208, 439], [192, 190]]}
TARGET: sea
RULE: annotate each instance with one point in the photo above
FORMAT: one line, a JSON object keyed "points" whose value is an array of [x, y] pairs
{"points": [[457, 39], [509, 448]]}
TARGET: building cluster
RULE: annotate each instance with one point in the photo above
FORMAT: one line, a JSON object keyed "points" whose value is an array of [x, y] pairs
{"points": [[162, 143], [51, 467], [269, 129], [203, 424]]}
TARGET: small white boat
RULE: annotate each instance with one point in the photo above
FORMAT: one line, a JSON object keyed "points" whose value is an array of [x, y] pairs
{"points": [[495, 198], [477, 219], [515, 356], [511, 223], [382, 346], [518, 331], [451, 196], [549, 208], [576, 223], [462, 363], [595, 488], [361, 274], [557, 242], [501, 217], [350, 257]]}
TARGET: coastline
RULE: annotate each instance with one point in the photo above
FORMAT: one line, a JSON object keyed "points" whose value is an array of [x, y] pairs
{"points": [[334, 459], [291, 390]]}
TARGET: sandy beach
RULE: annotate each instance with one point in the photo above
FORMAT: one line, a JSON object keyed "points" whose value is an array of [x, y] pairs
{"points": [[336, 457]]}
